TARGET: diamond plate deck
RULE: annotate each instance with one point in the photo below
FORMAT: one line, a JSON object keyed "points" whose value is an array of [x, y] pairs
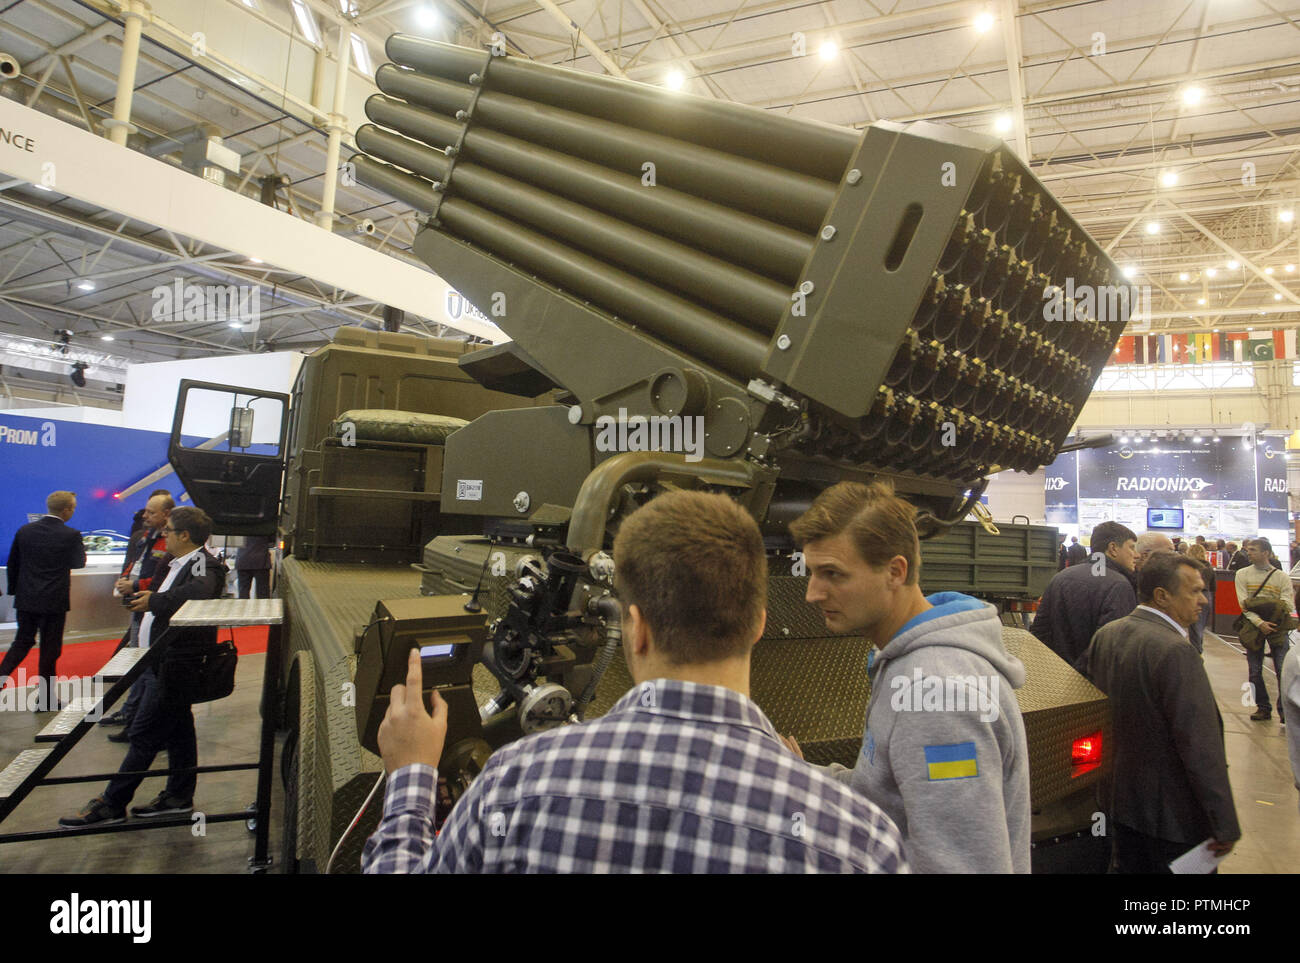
{"points": [[230, 612], [120, 664], [67, 720], [20, 769]]}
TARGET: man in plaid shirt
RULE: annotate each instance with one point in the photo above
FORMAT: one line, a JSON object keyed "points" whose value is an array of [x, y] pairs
{"points": [[684, 774]]}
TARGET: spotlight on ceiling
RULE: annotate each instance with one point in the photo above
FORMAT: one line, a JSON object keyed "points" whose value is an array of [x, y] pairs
{"points": [[675, 80], [1233, 265], [1153, 227], [1192, 96], [1211, 272], [984, 22], [426, 17], [1184, 276], [1129, 270], [85, 285], [105, 337], [1286, 215], [828, 50], [1169, 179], [78, 375]]}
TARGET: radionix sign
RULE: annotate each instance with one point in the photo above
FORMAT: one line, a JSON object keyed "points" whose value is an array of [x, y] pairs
{"points": [[1148, 484]]}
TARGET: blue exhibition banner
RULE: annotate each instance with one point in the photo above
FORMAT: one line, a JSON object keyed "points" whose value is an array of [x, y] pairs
{"points": [[1062, 490], [41, 455], [1225, 489], [1272, 494]]}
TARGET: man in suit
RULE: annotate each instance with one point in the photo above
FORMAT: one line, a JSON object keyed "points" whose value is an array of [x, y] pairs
{"points": [[1169, 788], [1076, 554], [164, 719], [1083, 598], [144, 555], [41, 560]]}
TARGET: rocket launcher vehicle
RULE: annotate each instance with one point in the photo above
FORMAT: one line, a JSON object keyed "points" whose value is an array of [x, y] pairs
{"points": [[832, 303]]}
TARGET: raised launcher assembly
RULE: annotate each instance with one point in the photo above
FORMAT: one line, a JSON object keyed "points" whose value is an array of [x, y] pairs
{"points": [[877, 302]]}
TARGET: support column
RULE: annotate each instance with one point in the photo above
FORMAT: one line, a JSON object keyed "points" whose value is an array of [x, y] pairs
{"points": [[325, 218], [120, 126]]}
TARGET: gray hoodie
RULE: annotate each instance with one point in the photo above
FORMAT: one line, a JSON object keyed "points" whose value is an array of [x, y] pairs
{"points": [[944, 752]]}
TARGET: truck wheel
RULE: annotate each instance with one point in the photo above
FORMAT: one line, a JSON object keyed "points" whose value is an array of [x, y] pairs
{"points": [[289, 771]]}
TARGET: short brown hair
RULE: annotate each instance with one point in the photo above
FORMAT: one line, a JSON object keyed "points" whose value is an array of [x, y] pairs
{"points": [[695, 567], [56, 502], [879, 524], [193, 521], [1198, 552]]}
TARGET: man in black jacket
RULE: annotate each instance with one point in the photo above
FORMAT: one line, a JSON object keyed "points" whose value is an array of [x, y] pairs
{"points": [[164, 719], [41, 561], [1169, 787], [1085, 597]]}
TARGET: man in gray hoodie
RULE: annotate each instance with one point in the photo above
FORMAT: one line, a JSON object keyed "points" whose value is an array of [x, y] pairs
{"points": [[944, 751]]}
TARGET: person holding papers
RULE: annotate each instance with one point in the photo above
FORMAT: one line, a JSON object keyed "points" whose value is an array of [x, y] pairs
{"points": [[1169, 791]]}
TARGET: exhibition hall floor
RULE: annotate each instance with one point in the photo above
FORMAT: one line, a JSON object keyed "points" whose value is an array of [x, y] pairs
{"points": [[1257, 756]]}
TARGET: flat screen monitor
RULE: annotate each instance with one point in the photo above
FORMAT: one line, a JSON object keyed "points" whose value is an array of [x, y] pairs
{"points": [[1164, 518]]}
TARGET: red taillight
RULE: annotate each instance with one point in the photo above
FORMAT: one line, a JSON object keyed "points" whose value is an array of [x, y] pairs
{"points": [[1085, 754]]}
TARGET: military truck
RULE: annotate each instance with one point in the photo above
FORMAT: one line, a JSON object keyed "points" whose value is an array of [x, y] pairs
{"points": [[698, 295]]}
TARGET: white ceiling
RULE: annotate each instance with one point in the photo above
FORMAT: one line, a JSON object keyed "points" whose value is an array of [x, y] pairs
{"points": [[1099, 128]]}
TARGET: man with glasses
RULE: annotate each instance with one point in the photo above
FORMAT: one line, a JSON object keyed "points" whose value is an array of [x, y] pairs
{"points": [[164, 719]]}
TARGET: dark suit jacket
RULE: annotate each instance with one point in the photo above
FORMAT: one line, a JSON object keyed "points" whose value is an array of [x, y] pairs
{"points": [[1170, 778], [189, 584], [41, 561], [1077, 603], [1075, 554]]}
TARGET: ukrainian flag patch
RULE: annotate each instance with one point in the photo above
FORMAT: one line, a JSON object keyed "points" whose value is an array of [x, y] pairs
{"points": [[956, 761]]}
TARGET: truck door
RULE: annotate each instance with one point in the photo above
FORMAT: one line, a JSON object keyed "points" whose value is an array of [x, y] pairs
{"points": [[228, 449]]}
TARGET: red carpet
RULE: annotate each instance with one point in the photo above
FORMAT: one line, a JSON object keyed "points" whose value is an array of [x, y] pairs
{"points": [[86, 658]]}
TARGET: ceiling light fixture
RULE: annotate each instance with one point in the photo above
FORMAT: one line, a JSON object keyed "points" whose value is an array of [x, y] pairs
{"points": [[1129, 270], [1002, 123], [1286, 215], [984, 22], [828, 50], [1269, 270], [1192, 96], [426, 17], [1184, 276], [85, 285], [1153, 227], [1211, 272], [1169, 178], [675, 80]]}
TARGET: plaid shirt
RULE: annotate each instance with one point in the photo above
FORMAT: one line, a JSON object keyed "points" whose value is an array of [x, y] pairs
{"points": [[677, 777]]}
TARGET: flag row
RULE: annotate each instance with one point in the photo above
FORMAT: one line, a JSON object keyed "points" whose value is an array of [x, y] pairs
{"points": [[1201, 348]]}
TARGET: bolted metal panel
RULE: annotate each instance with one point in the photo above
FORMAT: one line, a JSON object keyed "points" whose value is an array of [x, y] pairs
{"points": [[916, 337]]}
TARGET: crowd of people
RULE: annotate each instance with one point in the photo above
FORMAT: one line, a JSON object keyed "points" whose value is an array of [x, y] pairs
{"points": [[931, 791], [167, 563], [687, 773]]}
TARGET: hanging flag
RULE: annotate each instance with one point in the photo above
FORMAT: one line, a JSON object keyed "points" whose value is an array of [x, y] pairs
{"points": [[1179, 353], [1259, 349], [1235, 346], [1204, 348], [1279, 344], [1123, 353], [1216, 347], [1289, 336]]}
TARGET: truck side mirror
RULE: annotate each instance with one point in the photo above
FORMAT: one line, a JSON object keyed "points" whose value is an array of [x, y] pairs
{"points": [[241, 427]]}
